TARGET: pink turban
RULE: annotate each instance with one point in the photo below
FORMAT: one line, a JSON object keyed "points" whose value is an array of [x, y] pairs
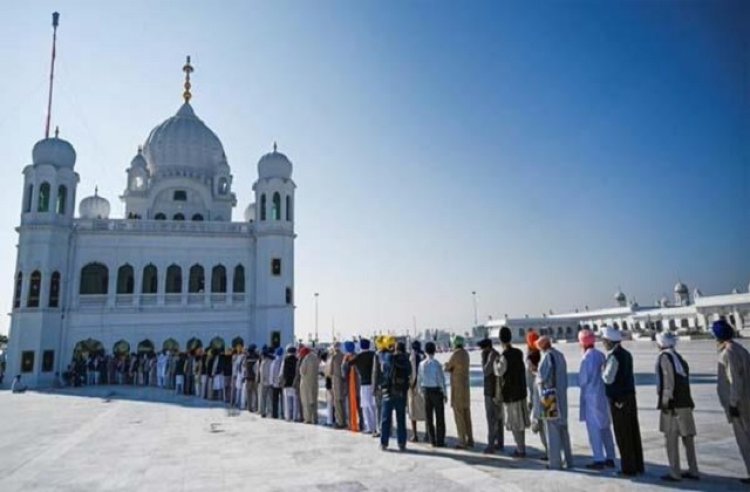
{"points": [[586, 338], [544, 343]]}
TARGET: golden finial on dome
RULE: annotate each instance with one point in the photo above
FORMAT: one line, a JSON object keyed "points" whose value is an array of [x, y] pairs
{"points": [[188, 69]]}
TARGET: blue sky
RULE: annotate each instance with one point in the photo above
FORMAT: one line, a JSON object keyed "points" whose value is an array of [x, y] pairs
{"points": [[541, 154]]}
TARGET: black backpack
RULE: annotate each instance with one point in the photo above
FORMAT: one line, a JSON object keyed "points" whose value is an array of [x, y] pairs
{"points": [[400, 369]]}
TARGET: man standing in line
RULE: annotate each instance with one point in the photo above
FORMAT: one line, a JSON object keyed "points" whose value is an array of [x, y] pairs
{"points": [[432, 384], [553, 375], [734, 387], [415, 401], [619, 385], [594, 408], [676, 405], [309, 365], [265, 382], [533, 358], [395, 385], [277, 400], [333, 371], [363, 362], [289, 373], [493, 398], [251, 378], [458, 367], [161, 368], [512, 373]]}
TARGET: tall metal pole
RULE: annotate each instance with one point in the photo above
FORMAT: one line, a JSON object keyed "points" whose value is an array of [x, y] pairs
{"points": [[316, 317], [474, 298], [55, 22]]}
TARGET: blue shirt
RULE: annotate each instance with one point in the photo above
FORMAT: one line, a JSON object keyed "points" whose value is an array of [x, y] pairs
{"points": [[431, 375]]}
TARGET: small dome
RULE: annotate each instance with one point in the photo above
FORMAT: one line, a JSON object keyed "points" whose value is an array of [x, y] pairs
{"points": [[680, 288], [664, 301], [274, 165], [250, 213], [94, 207], [184, 142], [139, 161], [55, 151], [620, 296]]}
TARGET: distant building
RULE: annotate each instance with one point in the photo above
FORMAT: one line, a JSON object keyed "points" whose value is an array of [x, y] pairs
{"points": [[683, 315]]}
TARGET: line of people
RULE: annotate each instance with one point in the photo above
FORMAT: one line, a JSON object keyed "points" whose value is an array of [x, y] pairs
{"points": [[364, 389]]}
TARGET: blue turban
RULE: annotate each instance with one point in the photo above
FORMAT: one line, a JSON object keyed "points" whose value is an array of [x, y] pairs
{"points": [[279, 351], [722, 330], [364, 344], [349, 347]]}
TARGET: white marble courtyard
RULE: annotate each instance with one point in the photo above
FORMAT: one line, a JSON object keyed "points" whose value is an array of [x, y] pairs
{"points": [[122, 438]]}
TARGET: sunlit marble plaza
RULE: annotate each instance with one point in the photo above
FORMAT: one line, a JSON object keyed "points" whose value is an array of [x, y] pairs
{"points": [[128, 438]]}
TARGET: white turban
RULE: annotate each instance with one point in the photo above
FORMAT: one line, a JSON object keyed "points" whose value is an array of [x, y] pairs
{"points": [[666, 340], [611, 334]]}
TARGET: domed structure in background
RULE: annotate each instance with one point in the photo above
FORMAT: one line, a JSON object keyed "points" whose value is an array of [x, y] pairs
{"points": [[54, 151], [274, 165], [94, 207]]}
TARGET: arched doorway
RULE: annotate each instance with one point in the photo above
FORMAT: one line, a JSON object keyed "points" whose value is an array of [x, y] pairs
{"points": [[87, 347], [171, 345], [145, 347], [121, 348]]}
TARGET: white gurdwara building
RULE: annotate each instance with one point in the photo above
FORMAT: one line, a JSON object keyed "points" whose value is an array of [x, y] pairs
{"points": [[176, 272]]}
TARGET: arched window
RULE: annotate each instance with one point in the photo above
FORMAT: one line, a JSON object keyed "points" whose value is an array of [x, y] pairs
{"points": [[288, 208], [276, 212], [160, 216], [625, 325], [684, 323], [197, 218], [178, 217], [34, 289], [43, 198], [263, 207], [62, 196], [125, 280], [29, 198], [174, 280], [219, 279], [238, 283], [94, 279], [197, 281], [54, 290], [150, 280], [17, 293], [223, 186], [672, 325]]}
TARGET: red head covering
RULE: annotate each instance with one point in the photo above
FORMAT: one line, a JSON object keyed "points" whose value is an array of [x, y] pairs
{"points": [[531, 338], [303, 352]]}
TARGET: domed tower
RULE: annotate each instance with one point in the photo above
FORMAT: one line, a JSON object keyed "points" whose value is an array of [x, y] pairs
{"points": [[41, 277], [181, 173], [681, 294], [274, 231]]}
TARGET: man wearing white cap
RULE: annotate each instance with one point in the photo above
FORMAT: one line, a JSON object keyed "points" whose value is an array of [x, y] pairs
{"points": [[619, 385], [676, 405]]}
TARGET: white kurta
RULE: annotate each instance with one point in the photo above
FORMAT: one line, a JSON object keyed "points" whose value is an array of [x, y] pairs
{"points": [[594, 407]]}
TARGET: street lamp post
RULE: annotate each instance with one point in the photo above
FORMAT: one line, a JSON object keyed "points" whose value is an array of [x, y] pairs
{"points": [[316, 318]]}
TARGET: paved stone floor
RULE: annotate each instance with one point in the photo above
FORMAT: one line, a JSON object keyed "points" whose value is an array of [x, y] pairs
{"points": [[118, 438]]}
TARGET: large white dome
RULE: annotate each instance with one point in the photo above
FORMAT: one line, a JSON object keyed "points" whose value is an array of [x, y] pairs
{"points": [[183, 143]]}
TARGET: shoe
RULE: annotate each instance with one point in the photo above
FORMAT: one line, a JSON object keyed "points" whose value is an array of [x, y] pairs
{"points": [[518, 454], [609, 463], [459, 446], [376, 434], [489, 450], [669, 478], [414, 439], [596, 465], [383, 448], [690, 476], [402, 448], [470, 445], [440, 445]]}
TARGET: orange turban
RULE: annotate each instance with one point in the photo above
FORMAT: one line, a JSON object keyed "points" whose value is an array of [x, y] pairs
{"points": [[531, 339]]}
